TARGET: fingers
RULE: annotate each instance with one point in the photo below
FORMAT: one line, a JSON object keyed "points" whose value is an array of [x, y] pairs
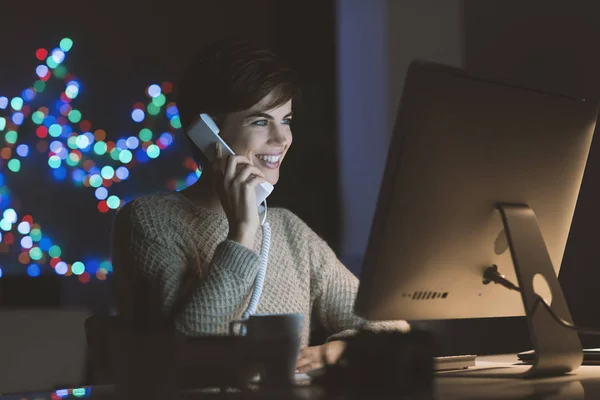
{"points": [[239, 169], [255, 180], [309, 358], [314, 357], [307, 364], [233, 165], [248, 173], [309, 367]]}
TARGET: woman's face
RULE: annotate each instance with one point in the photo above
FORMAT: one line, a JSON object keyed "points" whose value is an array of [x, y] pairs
{"points": [[264, 136]]}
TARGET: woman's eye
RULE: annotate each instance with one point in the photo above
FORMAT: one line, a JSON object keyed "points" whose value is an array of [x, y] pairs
{"points": [[261, 122], [287, 121]]}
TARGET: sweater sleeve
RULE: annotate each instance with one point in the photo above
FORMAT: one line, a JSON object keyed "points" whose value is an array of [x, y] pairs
{"points": [[335, 293], [152, 269]]}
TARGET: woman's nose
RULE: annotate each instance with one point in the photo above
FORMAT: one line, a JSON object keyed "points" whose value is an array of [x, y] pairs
{"points": [[278, 134]]}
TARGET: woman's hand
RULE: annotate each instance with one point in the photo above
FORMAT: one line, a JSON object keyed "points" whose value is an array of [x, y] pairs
{"points": [[236, 179], [317, 356]]}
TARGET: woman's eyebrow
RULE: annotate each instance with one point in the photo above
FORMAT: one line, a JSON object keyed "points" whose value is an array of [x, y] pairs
{"points": [[260, 114]]}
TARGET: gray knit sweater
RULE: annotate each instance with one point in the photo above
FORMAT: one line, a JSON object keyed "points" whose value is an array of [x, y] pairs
{"points": [[157, 238]]}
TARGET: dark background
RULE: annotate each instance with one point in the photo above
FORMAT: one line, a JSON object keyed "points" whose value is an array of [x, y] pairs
{"points": [[117, 52], [120, 48]]}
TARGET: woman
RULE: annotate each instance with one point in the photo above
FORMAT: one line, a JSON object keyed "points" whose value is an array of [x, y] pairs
{"points": [[204, 240]]}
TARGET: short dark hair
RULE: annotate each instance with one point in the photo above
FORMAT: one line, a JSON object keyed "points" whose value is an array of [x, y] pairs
{"points": [[229, 76]]}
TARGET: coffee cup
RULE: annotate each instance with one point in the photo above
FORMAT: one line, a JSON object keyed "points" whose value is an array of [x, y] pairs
{"points": [[277, 339]]}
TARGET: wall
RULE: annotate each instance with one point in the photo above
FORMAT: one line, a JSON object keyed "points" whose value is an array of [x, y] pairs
{"points": [[551, 46], [377, 40]]}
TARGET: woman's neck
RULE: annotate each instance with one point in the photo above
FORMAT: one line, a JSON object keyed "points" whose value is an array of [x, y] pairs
{"points": [[203, 194]]}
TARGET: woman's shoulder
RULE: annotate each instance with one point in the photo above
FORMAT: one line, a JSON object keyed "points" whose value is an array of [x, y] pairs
{"points": [[152, 208], [290, 222], [284, 215]]}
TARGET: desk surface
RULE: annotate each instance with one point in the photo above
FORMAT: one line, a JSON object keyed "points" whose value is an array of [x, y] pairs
{"points": [[492, 378]]}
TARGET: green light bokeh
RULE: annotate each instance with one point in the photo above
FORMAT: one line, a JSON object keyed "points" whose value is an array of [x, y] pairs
{"points": [[114, 154], [54, 161], [51, 63], [11, 137], [113, 202], [66, 44], [107, 172], [159, 100], [125, 156], [55, 130], [36, 253], [72, 142], [54, 251], [100, 148], [39, 85], [16, 103], [60, 71], [78, 268], [175, 122], [95, 180], [38, 117], [75, 116], [36, 234], [153, 109], [14, 165], [153, 151], [145, 135]]}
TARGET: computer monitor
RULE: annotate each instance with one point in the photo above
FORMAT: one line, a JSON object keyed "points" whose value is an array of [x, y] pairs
{"points": [[461, 147]]}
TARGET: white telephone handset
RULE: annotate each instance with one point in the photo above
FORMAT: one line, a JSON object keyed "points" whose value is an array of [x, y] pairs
{"points": [[205, 134]]}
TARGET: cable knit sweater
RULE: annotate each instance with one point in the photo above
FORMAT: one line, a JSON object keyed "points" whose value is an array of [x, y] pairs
{"points": [[159, 239]]}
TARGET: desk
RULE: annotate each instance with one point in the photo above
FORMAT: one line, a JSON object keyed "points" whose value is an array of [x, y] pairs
{"points": [[584, 383]]}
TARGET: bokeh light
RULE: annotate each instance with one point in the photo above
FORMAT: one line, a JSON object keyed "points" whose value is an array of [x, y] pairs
{"points": [[41, 54], [26, 242], [66, 44], [137, 115], [16, 103], [78, 152], [61, 268], [154, 90], [23, 150], [78, 268], [33, 270], [122, 173]]}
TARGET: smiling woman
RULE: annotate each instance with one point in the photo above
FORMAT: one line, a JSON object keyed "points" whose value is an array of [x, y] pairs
{"points": [[202, 244]]}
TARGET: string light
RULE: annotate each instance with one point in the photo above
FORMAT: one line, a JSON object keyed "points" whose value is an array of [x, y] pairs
{"points": [[78, 153]]}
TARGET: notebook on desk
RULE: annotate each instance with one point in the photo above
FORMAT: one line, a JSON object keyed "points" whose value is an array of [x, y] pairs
{"points": [[590, 356]]}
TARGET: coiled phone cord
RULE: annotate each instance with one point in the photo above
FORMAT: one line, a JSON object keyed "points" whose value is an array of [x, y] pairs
{"points": [[262, 272]]}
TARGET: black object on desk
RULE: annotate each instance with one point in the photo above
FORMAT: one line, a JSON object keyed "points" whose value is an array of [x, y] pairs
{"points": [[382, 364]]}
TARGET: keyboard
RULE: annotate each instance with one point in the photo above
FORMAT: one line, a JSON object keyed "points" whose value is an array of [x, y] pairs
{"points": [[447, 363]]}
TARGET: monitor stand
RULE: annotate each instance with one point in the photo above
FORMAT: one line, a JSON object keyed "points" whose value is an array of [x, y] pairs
{"points": [[557, 348]]}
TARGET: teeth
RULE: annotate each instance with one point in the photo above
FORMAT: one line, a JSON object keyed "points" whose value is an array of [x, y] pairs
{"points": [[269, 159]]}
